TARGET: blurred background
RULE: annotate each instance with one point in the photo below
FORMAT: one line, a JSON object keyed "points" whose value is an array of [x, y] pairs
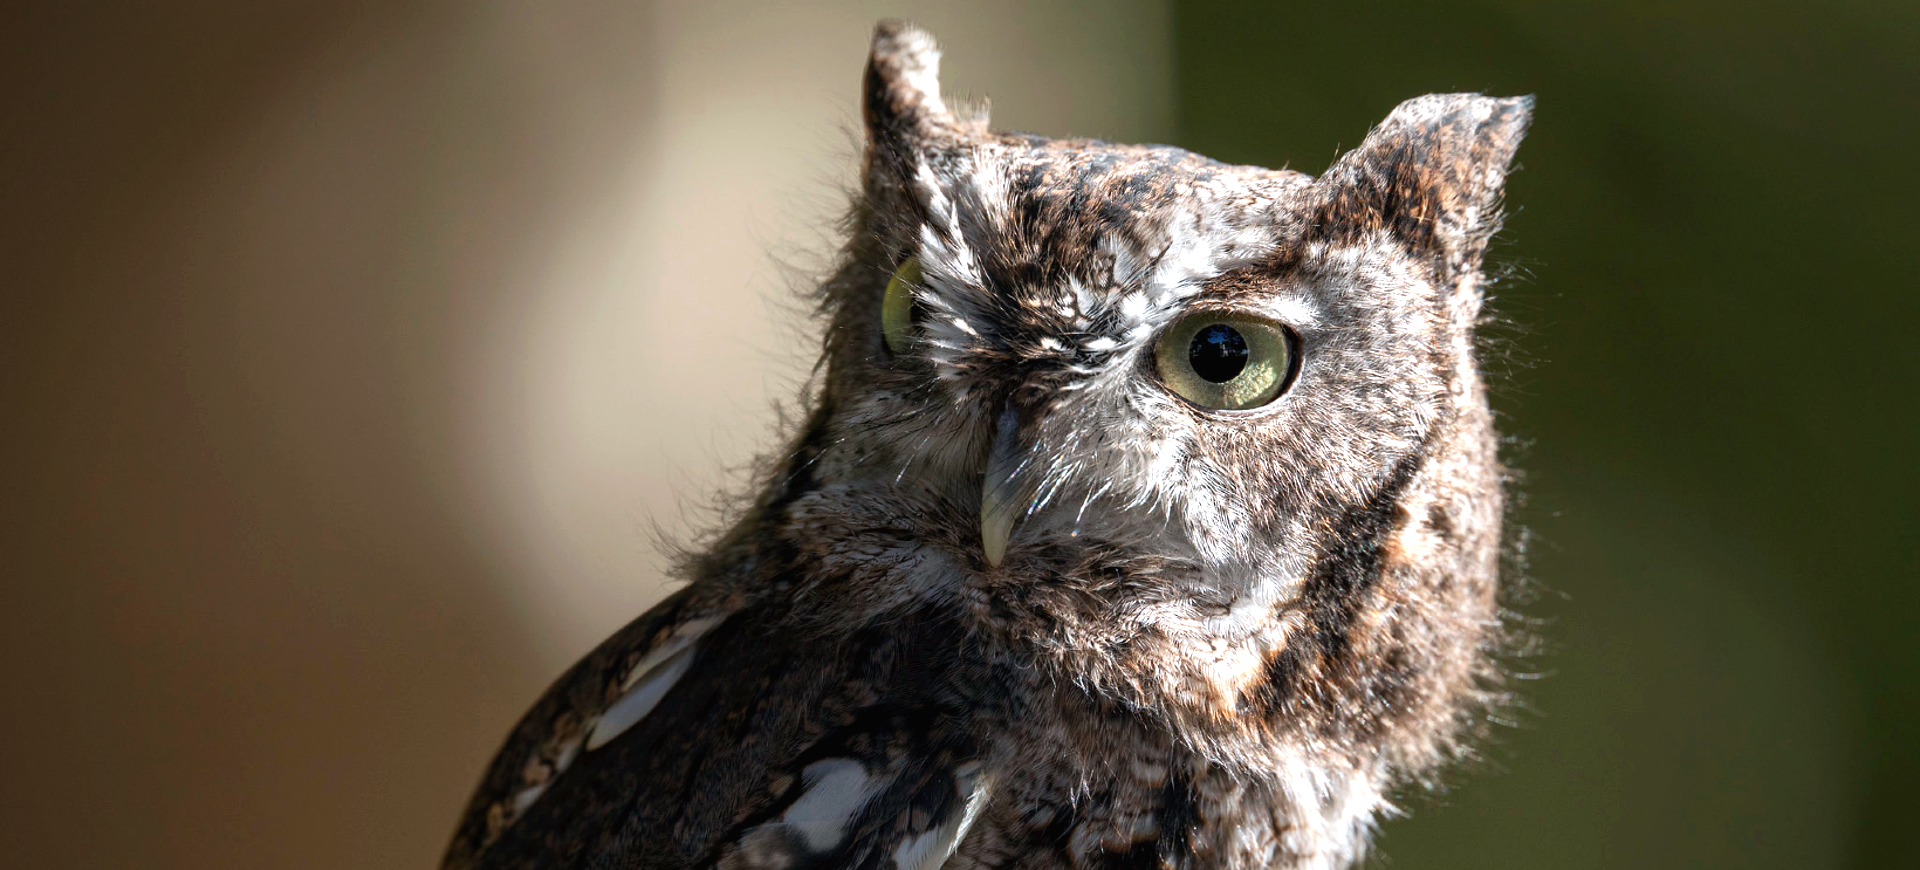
{"points": [[356, 356]]}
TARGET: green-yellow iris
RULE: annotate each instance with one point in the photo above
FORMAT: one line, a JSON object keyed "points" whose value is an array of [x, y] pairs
{"points": [[1225, 360], [896, 310]]}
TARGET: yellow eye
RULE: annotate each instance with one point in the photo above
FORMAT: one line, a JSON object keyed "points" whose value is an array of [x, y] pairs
{"points": [[1225, 361], [896, 310]]}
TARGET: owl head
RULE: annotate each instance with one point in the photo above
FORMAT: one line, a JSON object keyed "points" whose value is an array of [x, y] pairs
{"points": [[1212, 437]]}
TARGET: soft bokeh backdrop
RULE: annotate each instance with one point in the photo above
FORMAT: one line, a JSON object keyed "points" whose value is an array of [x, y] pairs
{"points": [[354, 352]]}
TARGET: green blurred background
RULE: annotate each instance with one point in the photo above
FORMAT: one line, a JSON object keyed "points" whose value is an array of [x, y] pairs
{"points": [[345, 362]]}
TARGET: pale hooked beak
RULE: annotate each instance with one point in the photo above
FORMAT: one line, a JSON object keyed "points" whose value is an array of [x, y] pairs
{"points": [[1004, 497]]}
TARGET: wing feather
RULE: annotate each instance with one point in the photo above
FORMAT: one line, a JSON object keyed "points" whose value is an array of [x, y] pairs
{"points": [[695, 739]]}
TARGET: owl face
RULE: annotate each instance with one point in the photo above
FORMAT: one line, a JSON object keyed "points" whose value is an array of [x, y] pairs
{"points": [[1135, 381], [1071, 304]]}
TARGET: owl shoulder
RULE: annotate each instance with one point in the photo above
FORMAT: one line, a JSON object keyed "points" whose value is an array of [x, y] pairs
{"points": [[705, 735]]}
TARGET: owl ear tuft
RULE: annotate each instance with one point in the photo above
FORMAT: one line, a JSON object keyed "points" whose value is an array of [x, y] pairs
{"points": [[901, 104], [1432, 173]]}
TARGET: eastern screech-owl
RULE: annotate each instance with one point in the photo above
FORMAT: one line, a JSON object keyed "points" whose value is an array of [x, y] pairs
{"points": [[1147, 515]]}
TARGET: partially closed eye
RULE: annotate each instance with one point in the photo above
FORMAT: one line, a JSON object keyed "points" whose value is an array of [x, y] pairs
{"points": [[896, 309], [1227, 361]]}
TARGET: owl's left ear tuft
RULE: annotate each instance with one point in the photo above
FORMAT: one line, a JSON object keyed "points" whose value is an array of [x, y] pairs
{"points": [[901, 102], [1432, 173]]}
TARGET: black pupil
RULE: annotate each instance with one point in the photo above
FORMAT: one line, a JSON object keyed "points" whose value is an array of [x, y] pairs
{"points": [[1218, 353]]}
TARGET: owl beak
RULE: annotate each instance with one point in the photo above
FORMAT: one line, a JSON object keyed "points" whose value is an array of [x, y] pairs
{"points": [[1004, 499]]}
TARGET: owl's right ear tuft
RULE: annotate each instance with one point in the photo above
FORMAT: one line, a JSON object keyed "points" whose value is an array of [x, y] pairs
{"points": [[901, 102], [1432, 173]]}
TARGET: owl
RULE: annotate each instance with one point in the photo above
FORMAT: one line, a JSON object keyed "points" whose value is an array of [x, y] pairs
{"points": [[1146, 514]]}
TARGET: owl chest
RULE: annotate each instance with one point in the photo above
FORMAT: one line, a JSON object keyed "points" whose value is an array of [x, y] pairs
{"points": [[1103, 788]]}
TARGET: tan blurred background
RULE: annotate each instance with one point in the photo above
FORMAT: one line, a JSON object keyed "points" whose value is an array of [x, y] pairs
{"points": [[353, 351]]}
